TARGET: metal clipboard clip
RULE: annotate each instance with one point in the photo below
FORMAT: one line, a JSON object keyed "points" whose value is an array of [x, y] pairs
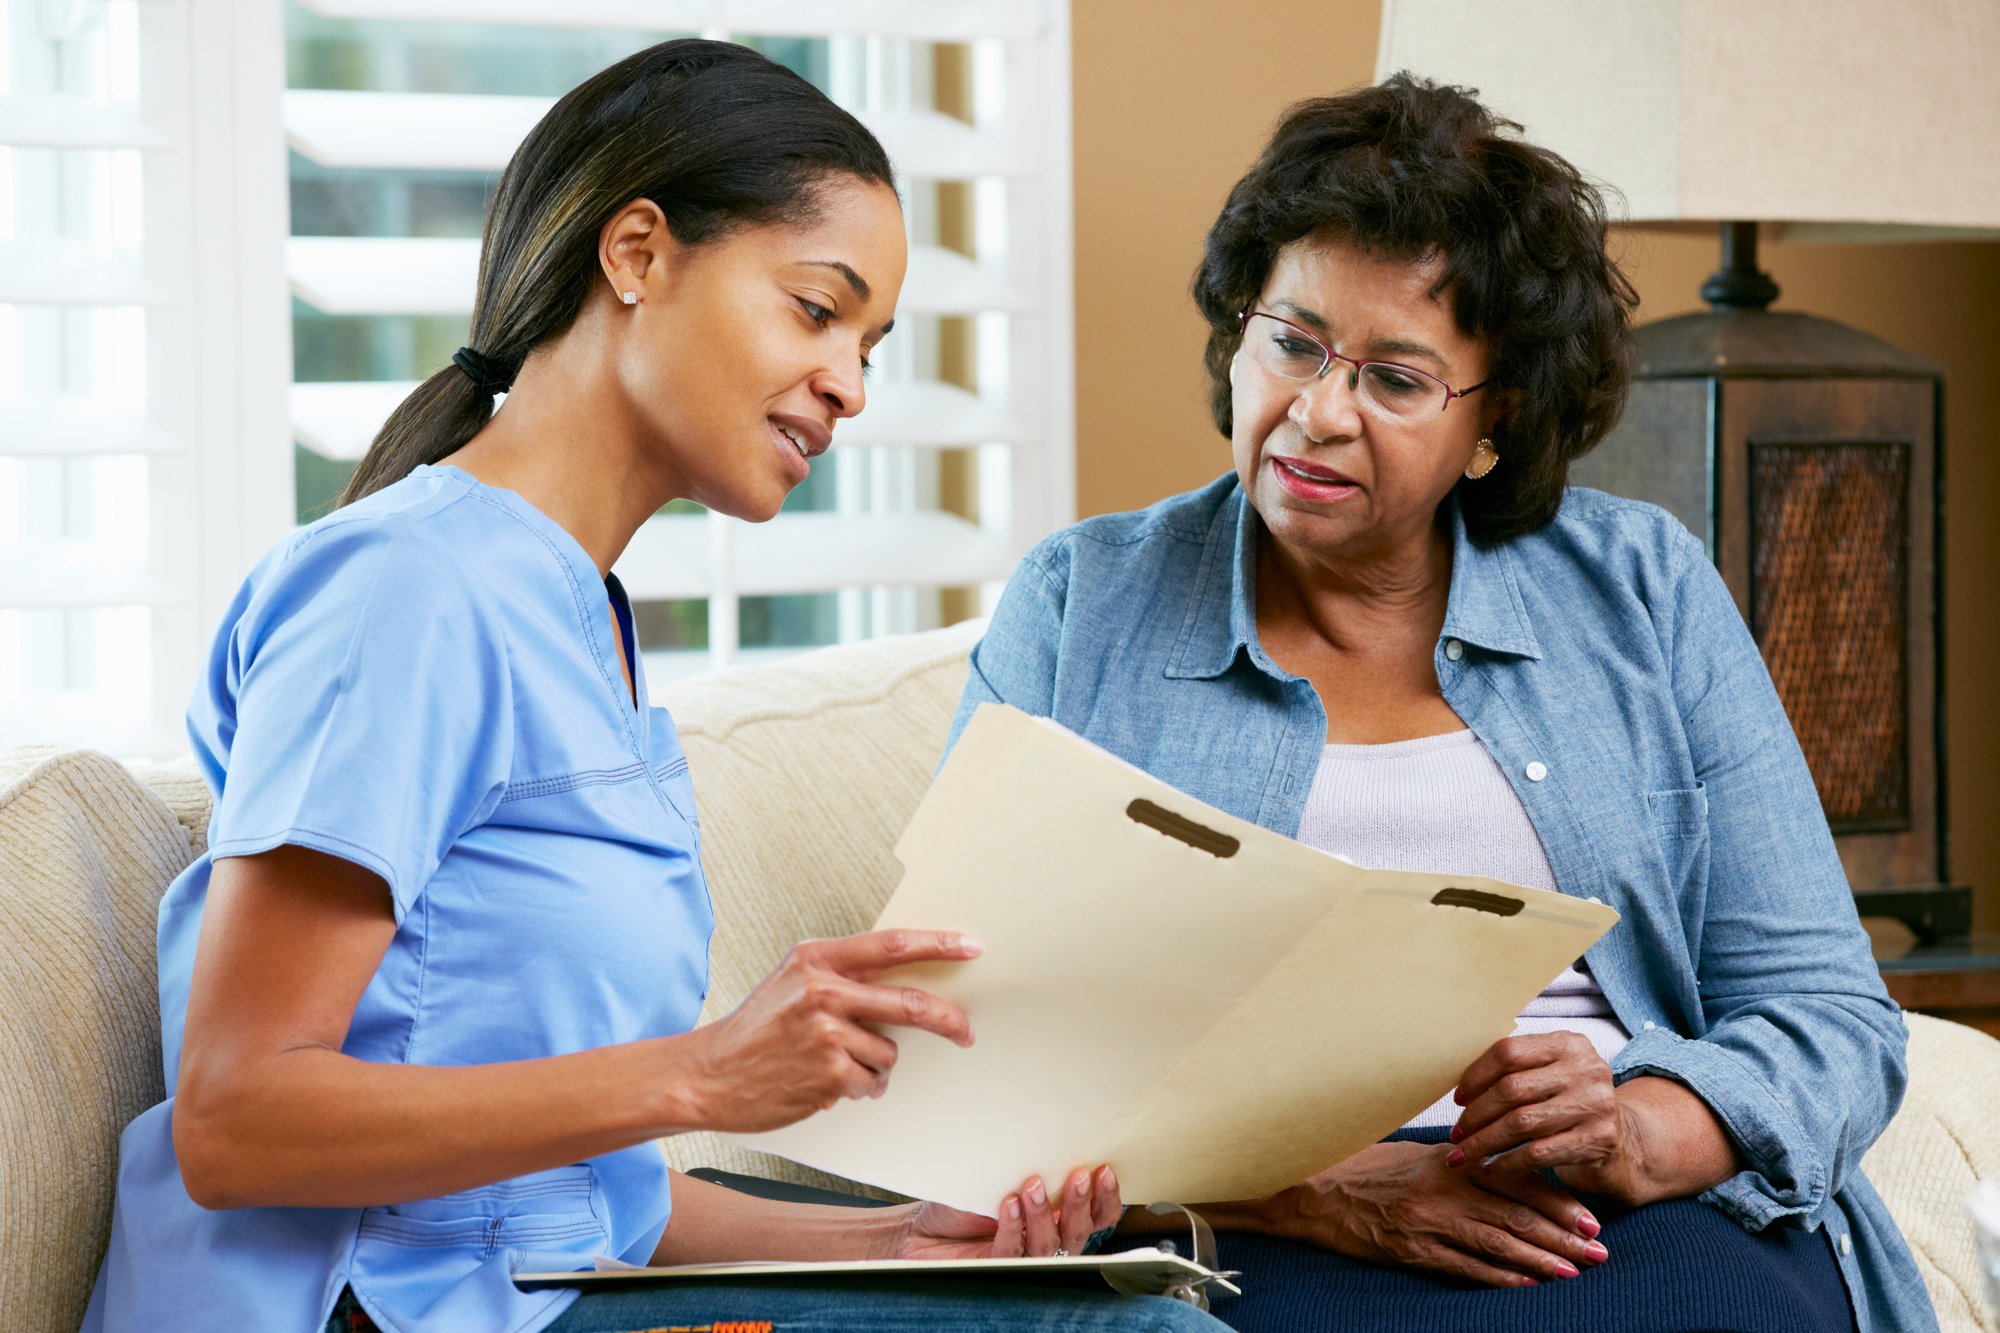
{"points": [[1200, 1248]]}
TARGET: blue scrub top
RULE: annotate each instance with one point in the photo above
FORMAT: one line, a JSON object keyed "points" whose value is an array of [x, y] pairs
{"points": [[424, 683]]}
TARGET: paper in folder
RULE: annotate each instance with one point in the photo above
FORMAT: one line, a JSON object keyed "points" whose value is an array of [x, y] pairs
{"points": [[1214, 1009]]}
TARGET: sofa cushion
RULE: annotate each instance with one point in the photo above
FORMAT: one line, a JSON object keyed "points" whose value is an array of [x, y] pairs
{"points": [[1944, 1140], [807, 771], [816, 764], [85, 851]]}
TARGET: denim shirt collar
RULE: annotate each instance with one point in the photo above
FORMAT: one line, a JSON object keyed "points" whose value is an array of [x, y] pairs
{"points": [[1483, 607]]}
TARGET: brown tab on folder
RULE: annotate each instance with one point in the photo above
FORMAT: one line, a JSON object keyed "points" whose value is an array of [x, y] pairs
{"points": [[1198, 836], [1478, 900]]}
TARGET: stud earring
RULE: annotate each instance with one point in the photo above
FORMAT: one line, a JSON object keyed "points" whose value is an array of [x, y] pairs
{"points": [[630, 298], [1484, 459]]}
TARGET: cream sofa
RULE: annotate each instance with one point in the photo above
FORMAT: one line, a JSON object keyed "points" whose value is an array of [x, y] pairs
{"points": [[830, 751]]}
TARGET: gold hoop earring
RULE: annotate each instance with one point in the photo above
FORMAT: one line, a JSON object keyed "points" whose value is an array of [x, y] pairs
{"points": [[1484, 459]]}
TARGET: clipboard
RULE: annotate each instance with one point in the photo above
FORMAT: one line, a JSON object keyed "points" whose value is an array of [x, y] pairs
{"points": [[1138, 1272], [1214, 1009]]}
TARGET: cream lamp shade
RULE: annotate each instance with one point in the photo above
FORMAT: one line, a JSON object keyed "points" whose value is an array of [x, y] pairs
{"points": [[1835, 119]]}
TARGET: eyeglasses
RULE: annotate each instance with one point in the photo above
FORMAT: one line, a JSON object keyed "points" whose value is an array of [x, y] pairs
{"points": [[1399, 393]]}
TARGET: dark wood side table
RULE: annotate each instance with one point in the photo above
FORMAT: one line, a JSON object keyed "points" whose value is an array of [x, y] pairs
{"points": [[1956, 977]]}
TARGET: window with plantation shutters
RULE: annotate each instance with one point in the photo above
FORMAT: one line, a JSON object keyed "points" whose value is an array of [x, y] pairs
{"points": [[400, 114], [233, 232], [142, 354]]}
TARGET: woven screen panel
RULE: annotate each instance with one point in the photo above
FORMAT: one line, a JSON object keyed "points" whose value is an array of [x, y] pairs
{"points": [[1829, 543]]}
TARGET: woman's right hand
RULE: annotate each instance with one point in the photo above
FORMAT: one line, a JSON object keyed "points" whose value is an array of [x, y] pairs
{"points": [[806, 1036], [1398, 1203]]}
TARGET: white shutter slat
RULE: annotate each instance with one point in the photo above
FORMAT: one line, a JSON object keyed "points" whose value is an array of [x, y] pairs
{"points": [[663, 16], [923, 20], [809, 553], [466, 132], [339, 420], [944, 282], [76, 426], [61, 574], [409, 131], [928, 145], [63, 120], [375, 275], [928, 20], [927, 414], [74, 273], [429, 275]]}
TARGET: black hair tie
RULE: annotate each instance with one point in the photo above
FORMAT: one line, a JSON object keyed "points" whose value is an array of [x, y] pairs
{"points": [[486, 374]]}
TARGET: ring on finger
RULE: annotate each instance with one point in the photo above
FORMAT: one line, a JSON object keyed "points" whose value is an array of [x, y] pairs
{"points": [[1060, 1253]]}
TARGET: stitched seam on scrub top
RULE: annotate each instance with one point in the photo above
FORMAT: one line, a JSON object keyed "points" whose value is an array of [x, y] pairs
{"points": [[480, 1233], [578, 1185], [592, 777], [595, 777]]}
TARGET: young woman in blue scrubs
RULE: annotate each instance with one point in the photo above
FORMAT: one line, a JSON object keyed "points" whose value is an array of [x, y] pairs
{"points": [[431, 993]]}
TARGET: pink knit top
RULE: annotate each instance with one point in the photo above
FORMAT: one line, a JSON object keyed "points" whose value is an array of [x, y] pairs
{"points": [[1441, 804]]}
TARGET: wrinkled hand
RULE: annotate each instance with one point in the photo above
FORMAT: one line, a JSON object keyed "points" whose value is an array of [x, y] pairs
{"points": [[1030, 1222], [1398, 1203], [1546, 1101], [805, 1038]]}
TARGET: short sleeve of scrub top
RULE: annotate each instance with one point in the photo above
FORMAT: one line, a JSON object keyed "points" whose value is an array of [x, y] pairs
{"points": [[424, 684], [368, 694]]}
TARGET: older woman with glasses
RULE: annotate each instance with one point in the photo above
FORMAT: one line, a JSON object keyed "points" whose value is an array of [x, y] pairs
{"points": [[1393, 632]]}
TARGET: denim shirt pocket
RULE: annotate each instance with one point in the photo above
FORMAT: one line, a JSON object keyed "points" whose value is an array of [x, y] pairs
{"points": [[1680, 830]]}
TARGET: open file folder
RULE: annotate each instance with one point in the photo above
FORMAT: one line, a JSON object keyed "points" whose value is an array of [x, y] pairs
{"points": [[1214, 1009]]}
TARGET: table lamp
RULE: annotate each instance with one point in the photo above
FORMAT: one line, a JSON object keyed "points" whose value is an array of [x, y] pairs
{"points": [[1804, 452]]}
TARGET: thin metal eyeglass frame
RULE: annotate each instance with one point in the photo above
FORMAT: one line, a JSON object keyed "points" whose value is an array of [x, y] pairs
{"points": [[1329, 356]]}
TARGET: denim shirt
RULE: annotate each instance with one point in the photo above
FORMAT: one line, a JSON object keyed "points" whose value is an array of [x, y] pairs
{"points": [[1605, 668]]}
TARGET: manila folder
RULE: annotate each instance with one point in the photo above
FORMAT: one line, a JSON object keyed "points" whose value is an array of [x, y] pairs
{"points": [[1214, 1009]]}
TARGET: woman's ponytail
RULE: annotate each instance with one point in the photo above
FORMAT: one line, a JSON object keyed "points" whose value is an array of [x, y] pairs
{"points": [[437, 419]]}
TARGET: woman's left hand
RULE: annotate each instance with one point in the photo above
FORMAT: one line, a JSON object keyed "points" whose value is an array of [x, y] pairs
{"points": [[1547, 1101], [1031, 1222]]}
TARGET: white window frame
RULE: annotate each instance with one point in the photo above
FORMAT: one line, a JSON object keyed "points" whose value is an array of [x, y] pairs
{"points": [[188, 423], [217, 269]]}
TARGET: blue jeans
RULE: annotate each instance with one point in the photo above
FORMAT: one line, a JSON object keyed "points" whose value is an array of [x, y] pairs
{"points": [[821, 1307]]}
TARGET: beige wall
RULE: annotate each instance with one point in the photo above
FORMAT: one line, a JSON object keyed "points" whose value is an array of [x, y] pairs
{"points": [[1174, 98]]}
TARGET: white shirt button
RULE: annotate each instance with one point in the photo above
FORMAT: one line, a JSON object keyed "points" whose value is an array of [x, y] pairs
{"points": [[1646, 1026], [1537, 771], [1454, 649], [1846, 1243], [1593, 898]]}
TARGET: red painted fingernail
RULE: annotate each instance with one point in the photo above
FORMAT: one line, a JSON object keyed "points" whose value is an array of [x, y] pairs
{"points": [[1529, 1282], [1587, 1225], [1596, 1252], [1456, 1133], [1564, 1268], [1456, 1157]]}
